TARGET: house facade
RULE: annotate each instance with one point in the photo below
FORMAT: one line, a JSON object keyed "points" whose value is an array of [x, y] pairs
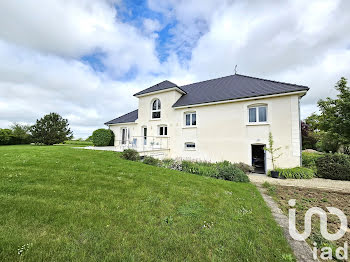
{"points": [[227, 118]]}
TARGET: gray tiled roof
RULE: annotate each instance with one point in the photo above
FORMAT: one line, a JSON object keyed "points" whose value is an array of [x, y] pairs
{"points": [[127, 118], [160, 86], [215, 90], [233, 87]]}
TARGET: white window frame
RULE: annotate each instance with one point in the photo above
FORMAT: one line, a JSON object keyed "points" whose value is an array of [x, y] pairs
{"points": [[191, 148], [257, 113], [127, 135], [165, 128], [191, 119], [157, 110]]}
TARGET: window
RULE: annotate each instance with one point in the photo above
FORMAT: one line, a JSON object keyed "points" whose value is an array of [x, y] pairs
{"points": [[163, 130], [125, 135], [258, 114], [190, 146], [190, 119], [156, 109]]}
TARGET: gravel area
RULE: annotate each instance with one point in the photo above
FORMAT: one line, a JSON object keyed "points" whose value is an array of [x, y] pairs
{"points": [[318, 183]]}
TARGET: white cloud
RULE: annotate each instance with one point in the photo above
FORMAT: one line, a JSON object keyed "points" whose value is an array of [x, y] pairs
{"points": [[41, 44]]}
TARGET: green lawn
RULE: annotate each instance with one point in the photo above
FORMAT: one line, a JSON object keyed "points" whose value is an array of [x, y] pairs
{"points": [[80, 205]]}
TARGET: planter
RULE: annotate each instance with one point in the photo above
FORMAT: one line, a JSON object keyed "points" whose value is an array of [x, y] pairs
{"points": [[274, 174]]}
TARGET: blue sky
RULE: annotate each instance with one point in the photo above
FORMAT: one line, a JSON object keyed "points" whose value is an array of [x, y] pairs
{"points": [[84, 59]]}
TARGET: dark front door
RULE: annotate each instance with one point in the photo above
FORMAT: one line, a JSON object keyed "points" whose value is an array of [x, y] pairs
{"points": [[258, 158]]}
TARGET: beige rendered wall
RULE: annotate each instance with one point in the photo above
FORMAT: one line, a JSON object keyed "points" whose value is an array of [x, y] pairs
{"points": [[223, 131]]}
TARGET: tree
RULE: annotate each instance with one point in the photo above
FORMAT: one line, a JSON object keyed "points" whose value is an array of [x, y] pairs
{"points": [[309, 138], [273, 151], [335, 114], [5, 136], [51, 129], [20, 133]]}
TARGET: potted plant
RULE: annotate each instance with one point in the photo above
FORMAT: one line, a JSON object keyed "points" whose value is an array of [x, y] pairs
{"points": [[274, 156]]}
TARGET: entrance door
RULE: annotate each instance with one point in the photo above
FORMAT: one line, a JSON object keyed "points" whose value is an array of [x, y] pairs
{"points": [[124, 135], [144, 133], [258, 158]]}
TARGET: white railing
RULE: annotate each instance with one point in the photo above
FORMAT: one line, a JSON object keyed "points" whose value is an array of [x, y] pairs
{"points": [[143, 143]]}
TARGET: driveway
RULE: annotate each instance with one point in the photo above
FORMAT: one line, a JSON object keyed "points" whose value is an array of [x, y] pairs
{"points": [[317, 183]]}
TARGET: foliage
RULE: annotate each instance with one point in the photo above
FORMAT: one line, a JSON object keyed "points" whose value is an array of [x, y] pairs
{"points": [[199, 168], [245, 167], [18, 134], [273, 151], [5, 136], [231, 172], [334, 118], [171, 164], [328, 142], [309, 137], [130, 154], [51, 129], [102, 137], [149, 160], [295, 173], [309, 160], [334, 166], [101, 207]]}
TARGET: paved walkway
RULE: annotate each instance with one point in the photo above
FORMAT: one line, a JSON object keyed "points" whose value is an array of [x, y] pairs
{"points": [[102, 148], [316, 183]]}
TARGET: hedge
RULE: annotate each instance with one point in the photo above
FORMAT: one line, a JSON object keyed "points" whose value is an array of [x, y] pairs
{"points": [[309, 160], [102, 137], [334, 166]]}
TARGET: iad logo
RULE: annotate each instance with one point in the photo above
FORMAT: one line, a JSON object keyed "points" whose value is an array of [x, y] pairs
{"points": [[323, 227]]}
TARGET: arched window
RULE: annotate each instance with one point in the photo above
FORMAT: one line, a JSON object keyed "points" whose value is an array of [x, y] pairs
{"points": [[156, 109]]}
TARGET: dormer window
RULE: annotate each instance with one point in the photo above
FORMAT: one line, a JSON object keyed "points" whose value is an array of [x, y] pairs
{"points": [[156, 109]]}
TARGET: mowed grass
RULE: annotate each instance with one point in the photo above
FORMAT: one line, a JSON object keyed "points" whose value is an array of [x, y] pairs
{"points": [[66, 204]]}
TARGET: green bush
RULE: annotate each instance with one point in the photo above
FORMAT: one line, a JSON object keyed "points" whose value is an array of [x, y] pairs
{"points": [[101, 137], [199, 168], [244, 167], [5, 136], [151, 161], [309, 160], [130, 154], [229, 171], [334, 166], [295, 173], [171, 164]]}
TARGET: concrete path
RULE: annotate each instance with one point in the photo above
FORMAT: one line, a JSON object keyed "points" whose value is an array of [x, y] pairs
{"points": [[316, 183], [103, 148], [301, 249]]}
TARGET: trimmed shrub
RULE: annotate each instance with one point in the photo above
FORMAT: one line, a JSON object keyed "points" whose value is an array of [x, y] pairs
{"points": [[149, 160], [231, 172], [295, 173], [309, 160], [334, 166], [101, 137], [244, 167], [130, 154]]}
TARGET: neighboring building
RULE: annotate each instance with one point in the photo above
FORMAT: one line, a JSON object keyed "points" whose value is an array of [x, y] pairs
{"points": [[227, 118]]}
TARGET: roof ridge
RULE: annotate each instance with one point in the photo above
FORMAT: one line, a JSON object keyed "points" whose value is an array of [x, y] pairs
{"points": [[207, 80], [264, 79]]}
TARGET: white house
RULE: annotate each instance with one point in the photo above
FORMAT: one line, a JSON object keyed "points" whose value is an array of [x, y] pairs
{"points": [[227, 118]]}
